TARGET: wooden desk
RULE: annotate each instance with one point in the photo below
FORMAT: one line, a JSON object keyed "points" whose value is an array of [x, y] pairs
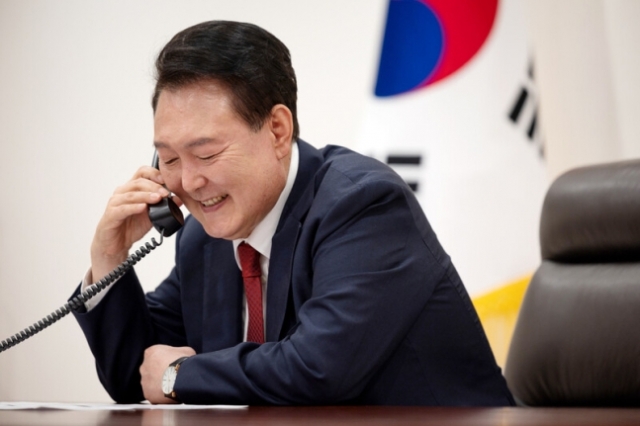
{"points": [[283, 416]]}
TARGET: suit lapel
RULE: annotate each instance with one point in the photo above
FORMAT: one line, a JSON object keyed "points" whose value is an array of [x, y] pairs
{"points": [[286, 237], [280, 264], [222, 301]]}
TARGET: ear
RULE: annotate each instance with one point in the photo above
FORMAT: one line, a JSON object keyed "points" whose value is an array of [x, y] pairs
{"points": [[281, 127]]}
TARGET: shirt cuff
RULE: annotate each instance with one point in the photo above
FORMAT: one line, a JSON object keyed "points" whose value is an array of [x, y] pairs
{"points": [[93, 302]]}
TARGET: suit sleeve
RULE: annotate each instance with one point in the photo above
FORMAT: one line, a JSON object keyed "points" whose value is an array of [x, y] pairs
{"points": [[124, 324], [372, 273]]}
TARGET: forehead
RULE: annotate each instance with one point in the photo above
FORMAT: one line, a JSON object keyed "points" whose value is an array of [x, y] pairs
{"points": [[194, 111]]}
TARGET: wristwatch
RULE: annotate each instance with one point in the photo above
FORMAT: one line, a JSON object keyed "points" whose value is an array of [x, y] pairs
{"points": [[169, 378]]}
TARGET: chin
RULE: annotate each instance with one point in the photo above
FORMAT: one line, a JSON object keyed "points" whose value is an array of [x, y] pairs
{"points": [[216, 232]]}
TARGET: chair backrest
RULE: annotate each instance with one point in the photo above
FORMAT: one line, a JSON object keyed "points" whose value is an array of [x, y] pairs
{"points": [[577, 338]]}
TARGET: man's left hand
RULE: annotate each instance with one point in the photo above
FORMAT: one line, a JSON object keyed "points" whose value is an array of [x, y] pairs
{"points": [[156, 360]]}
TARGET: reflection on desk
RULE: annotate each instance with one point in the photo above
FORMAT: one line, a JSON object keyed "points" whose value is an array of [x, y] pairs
{"points": [[284, 416]]}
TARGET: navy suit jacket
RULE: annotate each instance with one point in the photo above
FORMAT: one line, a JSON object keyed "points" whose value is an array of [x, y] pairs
{"points": [[363, 306]]}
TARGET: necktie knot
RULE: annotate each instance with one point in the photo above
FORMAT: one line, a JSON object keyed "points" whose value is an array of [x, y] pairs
{"points": [[249, 261]]}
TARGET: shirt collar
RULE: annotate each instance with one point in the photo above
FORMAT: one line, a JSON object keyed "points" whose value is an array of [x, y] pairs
{"points": [[262, 234]]}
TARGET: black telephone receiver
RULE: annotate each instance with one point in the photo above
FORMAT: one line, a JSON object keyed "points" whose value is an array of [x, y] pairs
{"points": [[166, 218]]}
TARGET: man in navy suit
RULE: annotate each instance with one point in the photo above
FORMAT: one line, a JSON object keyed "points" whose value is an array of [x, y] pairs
{"points": [[352, 301]]}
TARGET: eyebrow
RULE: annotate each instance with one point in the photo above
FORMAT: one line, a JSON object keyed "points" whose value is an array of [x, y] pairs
{"points": [[192, 144]]}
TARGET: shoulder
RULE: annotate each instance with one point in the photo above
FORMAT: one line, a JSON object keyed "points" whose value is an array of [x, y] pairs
{"points": [[335, 176], [362, 179], [350, 186], [359, 168]]}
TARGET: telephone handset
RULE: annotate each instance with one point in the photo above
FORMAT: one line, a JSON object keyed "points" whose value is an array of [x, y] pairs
{"points": [[166, 218]]}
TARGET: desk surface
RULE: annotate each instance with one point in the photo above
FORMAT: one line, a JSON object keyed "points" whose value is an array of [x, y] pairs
{"points": [[283, 416]]}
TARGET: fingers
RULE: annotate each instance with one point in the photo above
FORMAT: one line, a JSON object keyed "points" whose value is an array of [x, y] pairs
{"points": [[145, 187], [157, 359], [145, 179], [136, 196], [150, 173], [126, 219]]}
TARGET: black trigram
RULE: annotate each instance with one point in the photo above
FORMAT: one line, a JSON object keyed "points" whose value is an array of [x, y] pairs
{"points": [[516, 113], [406, 160]]}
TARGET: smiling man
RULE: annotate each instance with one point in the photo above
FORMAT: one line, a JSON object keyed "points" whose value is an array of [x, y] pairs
{"points": [[302, 276], [228, 175]]}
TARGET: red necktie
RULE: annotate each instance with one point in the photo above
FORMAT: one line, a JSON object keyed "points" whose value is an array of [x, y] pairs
{"points": [[251, 275]]}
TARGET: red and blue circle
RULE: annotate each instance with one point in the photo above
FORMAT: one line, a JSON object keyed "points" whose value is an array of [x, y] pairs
{"points": [[426, 41]]}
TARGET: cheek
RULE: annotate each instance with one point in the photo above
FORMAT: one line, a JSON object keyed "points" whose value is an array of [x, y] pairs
{"points": [[267, 183], [172, 181]]}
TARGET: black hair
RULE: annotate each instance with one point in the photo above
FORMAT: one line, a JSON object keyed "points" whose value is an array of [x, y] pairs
{"points": [[247, 60]]}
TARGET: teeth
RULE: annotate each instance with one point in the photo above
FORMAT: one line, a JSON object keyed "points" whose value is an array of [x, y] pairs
{"points": [[214, 201]]}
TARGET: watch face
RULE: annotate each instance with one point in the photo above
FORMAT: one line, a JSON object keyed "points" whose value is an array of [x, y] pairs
{"points": [[168, 380]]}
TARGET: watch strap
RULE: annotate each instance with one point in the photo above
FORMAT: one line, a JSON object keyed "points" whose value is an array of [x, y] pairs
{"points": [[177, 362], [176, 365]]}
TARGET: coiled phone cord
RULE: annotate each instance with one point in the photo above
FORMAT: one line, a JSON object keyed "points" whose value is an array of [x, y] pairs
{"points": [[78, 301]]}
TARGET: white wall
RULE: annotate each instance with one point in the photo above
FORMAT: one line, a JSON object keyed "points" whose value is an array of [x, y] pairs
{"points": [[587, 55], [75, 122]]}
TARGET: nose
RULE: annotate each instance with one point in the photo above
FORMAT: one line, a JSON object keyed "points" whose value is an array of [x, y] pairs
{"points": [[192, 178]]}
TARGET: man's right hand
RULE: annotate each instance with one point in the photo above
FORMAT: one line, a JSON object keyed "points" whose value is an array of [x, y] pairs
{"points": [[125, 220]]}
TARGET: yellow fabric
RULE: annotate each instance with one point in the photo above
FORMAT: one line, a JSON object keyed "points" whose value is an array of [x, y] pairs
{"points": [[498, 312]]}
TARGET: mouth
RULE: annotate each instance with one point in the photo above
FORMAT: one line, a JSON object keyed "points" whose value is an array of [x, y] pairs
{"points": [[213, 201]]}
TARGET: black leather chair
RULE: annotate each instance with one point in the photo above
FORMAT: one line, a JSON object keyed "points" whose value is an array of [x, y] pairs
{"points": [[577, 338]]}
